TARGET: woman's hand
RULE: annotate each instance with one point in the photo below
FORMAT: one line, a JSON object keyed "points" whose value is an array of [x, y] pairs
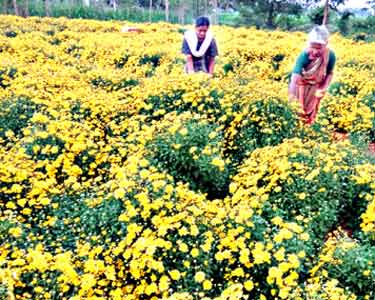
{"points": [[320, 93], [190, 64]]}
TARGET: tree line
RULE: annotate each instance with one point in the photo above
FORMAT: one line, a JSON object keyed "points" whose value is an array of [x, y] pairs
{"points": [[179, 11]]}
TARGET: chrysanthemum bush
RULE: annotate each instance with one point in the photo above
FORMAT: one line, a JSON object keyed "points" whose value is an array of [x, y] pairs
{"points": [[193, 152], [15, 116], [369, 101], [261, 123], [121, 177], [317, 185]]}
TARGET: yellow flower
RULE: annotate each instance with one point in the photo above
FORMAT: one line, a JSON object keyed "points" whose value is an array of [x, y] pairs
{"points": [[15, 231], [218, 163], [304, 236], [175, 274], [192, 150], [280, 254], [366, 272], [207, 285], [277, 220], [45, 201], [151, 288], [199, 276], [183, 131], [194, 252], [119, 193], [164, 283], [238, 272], [183, 247], [249, 285]]}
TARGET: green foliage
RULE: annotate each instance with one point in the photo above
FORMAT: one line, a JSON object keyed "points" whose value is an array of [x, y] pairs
{"points": [[3, 292], [153, 60], [209, 105], [84, 160], [364, 25], [276, 60], [74, 219], [343, 23], [4, 229], [326, 202], [355, 269], [370, 102], [316, 15], [10, 34], [291, 22], [78, 112], [190, 153], [124, 84], [15, 115], [98, 12], [121, 62], [265, 123], [48, 148], [6, 75], [341, 88]]}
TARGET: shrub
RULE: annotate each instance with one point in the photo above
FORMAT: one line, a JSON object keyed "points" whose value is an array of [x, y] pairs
{"points": [[124, 84], [304, 181], [45, 148], [353, 266], [370, 102], [262, 123], [6, 75], [193, 154], [154, 60], [342, 89], [209, 105], [15, 115]]}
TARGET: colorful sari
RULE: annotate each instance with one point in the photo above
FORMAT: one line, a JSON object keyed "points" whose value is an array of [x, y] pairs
{"points": [[306, 88]]}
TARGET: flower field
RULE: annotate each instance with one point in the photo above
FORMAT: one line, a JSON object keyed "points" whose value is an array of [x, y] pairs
{"points": [[123, 178]]}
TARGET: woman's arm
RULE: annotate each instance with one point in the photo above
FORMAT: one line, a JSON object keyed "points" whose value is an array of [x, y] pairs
{"points": [[325, 84], [190, 64], [211, 65], [295, 86]]}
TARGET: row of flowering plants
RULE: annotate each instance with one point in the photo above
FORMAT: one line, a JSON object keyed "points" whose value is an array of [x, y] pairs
{"points": [[121, 177]]}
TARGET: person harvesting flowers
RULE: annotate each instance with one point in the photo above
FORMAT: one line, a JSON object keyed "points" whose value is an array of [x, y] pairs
{"points": [[200, 48], [312, 74]]}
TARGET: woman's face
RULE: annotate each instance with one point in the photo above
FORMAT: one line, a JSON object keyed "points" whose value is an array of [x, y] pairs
{"points": [[201, 31], [317, 49]]}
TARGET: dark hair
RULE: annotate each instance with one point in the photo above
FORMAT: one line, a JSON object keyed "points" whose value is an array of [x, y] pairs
{"points": [[202, 21]]}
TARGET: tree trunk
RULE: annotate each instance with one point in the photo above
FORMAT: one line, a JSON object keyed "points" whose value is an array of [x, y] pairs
{"points": [[325, 16], [15, 6], [150, 12], [5, 7], [167, 10], [181, 12], [47, 8], [271, 11], [26, 9], [215, 9]]}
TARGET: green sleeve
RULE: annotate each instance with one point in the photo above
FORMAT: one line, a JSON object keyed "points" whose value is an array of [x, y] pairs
{"points": [[331, 62], [302, 61]]}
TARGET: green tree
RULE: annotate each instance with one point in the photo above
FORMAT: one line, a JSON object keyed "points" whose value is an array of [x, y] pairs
{"points": [[269, 9]]}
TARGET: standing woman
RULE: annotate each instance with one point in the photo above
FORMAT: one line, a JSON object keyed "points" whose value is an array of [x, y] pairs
{"points": [[312, 74], [200, 48]]}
